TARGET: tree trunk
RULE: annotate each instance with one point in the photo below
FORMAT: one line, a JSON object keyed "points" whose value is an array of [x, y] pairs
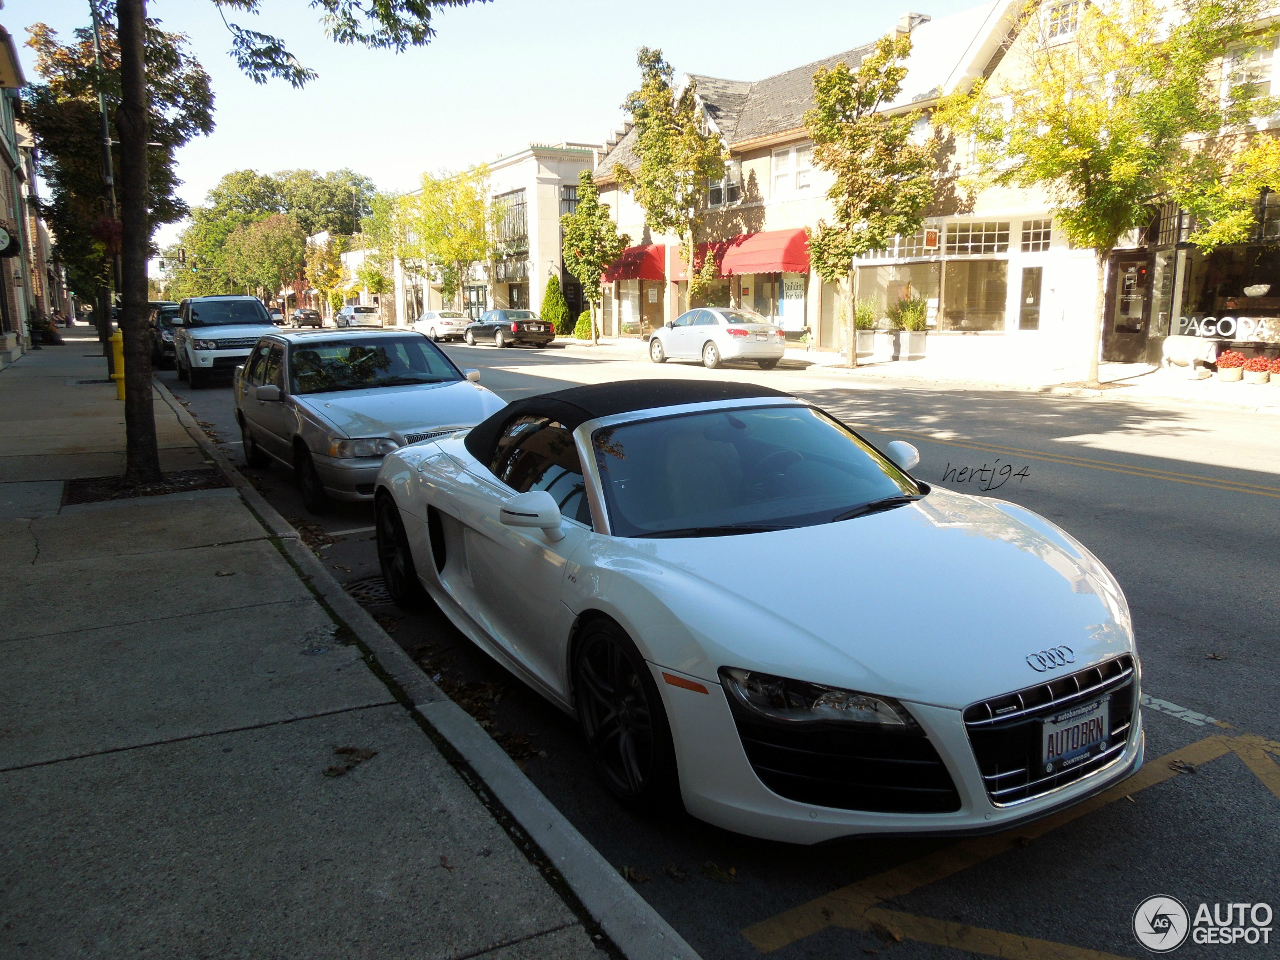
{"points": [[1099, 306], [850, 299], [102, 322], [595, 334], [142, 458]]}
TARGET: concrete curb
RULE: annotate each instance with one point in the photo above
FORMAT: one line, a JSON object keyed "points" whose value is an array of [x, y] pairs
{"points": [[633, 926]]}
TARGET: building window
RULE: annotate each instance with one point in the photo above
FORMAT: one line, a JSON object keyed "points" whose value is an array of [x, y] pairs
{"points": [[1062, 20], [792, 169], [976, 239], [569, 198], [923, 243], [1036, 235], [511, 217], [1250, 67], [974, 294], [727, 191]]}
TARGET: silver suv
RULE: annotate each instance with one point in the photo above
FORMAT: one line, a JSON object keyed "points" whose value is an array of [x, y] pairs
{"points": [[213, 335], [358, 316]]}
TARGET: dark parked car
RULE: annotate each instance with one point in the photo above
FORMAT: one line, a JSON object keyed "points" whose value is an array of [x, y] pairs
{"points": [[161, 320], [306, 317], [505, 327]]}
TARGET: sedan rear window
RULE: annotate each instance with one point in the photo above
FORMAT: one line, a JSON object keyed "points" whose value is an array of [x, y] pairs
{"points": [[361, 363], [741, 316], [450, 315], [521, 315], [740, 471], [364, 310]]}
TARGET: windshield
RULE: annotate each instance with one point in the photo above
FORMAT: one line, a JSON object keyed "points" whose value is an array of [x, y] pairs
{"points": [[741, 471], [742, 316], [364, 310], [521, 315], [166, 315], [360, 363], [212, 313]]}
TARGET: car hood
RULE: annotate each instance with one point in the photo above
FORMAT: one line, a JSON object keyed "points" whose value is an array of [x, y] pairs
{"points": [[395, 411], [231, 331], [937, 602]]}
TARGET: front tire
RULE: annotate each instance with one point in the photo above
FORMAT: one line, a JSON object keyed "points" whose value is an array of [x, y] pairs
{"points": [[710, 356], [181, 368], [196, 377], [622, 718], [313, 496], [395, 558], [656, 353]]}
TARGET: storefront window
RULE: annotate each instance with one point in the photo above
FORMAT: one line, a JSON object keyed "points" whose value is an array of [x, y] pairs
{"points": [[1231, 293], [969, 239], [975, 293], [629, 307], [898, 281], [1036, 235], [1162, 293]]}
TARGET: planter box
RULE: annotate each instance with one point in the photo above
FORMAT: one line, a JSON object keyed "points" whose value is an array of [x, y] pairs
{"points": [[866, 344], [1231, 374], [884, 345], [1256, 376], [910, 345]]}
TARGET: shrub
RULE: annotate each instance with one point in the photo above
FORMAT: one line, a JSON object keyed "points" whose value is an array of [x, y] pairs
{"points": [[554, 310], [1257, 364], [583, 330], [1232, 358], [909, 313], [866, 311]]}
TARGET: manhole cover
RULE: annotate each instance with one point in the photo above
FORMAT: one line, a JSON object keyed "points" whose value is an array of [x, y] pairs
{"points": [[370, 591]]}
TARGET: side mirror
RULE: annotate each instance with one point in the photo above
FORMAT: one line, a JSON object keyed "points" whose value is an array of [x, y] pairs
{"points": [[900, 452], [268, 392], [472, 375], [537, 508]]}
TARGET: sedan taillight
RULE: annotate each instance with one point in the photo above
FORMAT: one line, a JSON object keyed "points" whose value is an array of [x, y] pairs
{"points": [[738, 332], [515, 327], [779, 335]]}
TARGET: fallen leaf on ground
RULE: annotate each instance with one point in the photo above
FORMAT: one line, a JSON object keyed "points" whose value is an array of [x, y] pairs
{"points": [[885, 932], [354, 756], [717, 873], [1214, 656], [224, 573], [444, 862], [1182, 766], [675, 873], [634, 875]]}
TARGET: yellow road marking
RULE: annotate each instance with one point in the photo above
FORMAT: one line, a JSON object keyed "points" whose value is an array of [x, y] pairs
{"points": [[852, 906], [1253, 751], [993, 943], [1067, 460]]}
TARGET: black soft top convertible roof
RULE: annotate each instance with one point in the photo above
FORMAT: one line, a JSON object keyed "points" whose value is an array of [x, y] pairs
{"points": [[577, 405]]}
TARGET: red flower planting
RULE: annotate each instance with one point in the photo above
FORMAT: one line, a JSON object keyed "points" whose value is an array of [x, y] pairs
{"points": [[1257, 364], [1232, 358], [1274, 366]]}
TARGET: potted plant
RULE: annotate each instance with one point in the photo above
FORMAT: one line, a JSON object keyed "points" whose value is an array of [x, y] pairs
{"points": [[1274, 369], [1256, 370], [1231, 365], [910, 315], [864, 322]]}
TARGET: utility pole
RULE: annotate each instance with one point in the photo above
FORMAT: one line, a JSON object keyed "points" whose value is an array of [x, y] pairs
{"points": [[102, 309]]}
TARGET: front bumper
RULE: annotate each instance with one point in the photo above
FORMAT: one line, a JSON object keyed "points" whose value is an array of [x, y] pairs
{"points": [[219, 361], [349, 479], [718, 784]]}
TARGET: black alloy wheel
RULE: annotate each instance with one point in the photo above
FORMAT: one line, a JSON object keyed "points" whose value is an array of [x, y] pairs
{"points": [[313, 496], [253, 454], [395, 557], [622, 717]]}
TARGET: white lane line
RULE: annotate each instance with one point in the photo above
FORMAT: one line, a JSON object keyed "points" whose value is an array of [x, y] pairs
{"points": [[1182, 713], [347, 533]]}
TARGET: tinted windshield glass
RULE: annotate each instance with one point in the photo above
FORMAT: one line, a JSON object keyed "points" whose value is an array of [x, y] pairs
{"points": [[762, 466], [359, 363], [521, 315], [209, 313], [165, 316], [740, 316]]}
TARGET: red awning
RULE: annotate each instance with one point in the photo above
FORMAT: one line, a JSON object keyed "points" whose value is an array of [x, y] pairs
{"points": [[772, 251], [645, 262]]}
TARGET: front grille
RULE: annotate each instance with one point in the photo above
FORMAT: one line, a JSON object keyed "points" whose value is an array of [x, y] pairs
{"points": [[847, 766], [419, 437], [1005, 732]]}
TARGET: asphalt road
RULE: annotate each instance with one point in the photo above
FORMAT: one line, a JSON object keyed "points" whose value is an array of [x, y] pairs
{"points": [[1183, 505]]}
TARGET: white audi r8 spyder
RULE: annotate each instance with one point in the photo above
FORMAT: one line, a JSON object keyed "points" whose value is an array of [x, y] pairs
{"points": [[749, 606]]}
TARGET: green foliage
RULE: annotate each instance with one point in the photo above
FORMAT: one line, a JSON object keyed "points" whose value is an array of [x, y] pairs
{"points": [[584, 330], [554, 309], [1223, 208], [909, 313], [591, 238], [336, 301], [448, 221], [866, 313], [371, 276], [883, 177], [268, 254], [678, 155]]}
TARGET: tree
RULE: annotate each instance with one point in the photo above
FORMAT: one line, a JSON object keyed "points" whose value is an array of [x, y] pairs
{"points": [[678, 157], [554, 309], [448, 223], [1118, 120], [883, 178], [385, 24], [591, 242], [268, 254], [324, 266]]}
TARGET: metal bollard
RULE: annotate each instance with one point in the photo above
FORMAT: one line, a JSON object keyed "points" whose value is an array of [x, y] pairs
{"points": [[117, 362]]}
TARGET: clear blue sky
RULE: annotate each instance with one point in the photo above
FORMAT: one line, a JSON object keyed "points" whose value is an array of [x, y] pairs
{"points": [[497, 76]]}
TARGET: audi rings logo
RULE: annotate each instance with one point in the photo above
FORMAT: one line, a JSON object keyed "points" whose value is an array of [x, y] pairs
{"points": [[1051, 659]]}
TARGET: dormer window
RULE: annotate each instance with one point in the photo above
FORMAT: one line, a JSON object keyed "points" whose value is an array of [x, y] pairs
{"points": [[726, 192], [1062, 20]]}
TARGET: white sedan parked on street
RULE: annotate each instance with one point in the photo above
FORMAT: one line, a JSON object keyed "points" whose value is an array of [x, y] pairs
{"points": [[750, 607], [331, 404], [716, 334], [442, 324]]}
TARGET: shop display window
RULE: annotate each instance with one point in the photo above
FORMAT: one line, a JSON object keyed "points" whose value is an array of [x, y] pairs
{"points": [[974, 295]]}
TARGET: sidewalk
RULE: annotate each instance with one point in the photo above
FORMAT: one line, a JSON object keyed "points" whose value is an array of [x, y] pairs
{"points": [[1121, 381], [200, 758]]}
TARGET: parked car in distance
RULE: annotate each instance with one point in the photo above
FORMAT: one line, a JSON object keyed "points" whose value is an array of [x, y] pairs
{"points": [[331, 404], [502, 328], [213, 335], [716, 334], [358, 316], [667, 560], [441, 324], [307, 317], [277, 316], [161, 323]]}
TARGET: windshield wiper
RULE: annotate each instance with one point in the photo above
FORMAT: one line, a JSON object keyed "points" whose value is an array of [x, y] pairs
{"points": [[726, 530], [406, 381], [875, 506]]}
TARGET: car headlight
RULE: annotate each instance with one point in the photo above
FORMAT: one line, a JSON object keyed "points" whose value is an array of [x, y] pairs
{"points": [[204, 344], [780, 698], [363, 447]]}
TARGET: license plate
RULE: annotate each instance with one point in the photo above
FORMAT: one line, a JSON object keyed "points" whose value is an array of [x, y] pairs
{"points": [[762, 336], [1075, 735]]}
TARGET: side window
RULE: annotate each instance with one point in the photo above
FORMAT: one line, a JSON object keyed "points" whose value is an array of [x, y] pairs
{"points": [[536, 453], [271, 372], [685, 319], [705, 319], [253, 369]]}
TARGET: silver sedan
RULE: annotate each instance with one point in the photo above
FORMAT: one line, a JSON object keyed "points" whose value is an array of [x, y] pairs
{"points": [[331, 404], [716, 334]]}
